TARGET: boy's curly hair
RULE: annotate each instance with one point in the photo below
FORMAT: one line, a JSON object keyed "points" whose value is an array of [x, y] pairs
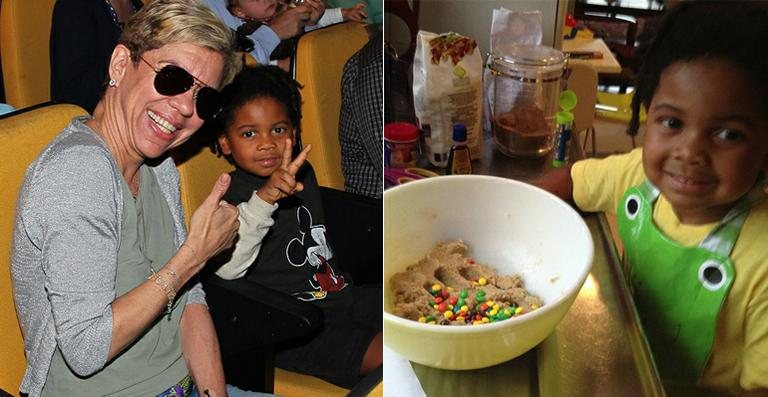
{"points": [[731, 30], [264, 81]]}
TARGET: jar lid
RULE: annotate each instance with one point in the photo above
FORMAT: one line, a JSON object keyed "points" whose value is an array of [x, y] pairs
{"points": [[528, 55], [401, 132]]}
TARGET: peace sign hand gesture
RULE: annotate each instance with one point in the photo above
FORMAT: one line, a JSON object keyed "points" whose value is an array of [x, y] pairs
{"points": [[282, 182]]}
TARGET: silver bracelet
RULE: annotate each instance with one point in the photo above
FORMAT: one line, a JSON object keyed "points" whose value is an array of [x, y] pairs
{"points": [[166, 287]]}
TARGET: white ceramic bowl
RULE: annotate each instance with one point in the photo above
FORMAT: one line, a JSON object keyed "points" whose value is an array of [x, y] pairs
{"points": [[510, 225]]}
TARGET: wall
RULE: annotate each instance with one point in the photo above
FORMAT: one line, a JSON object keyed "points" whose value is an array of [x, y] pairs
{"points": [[473, 17]]}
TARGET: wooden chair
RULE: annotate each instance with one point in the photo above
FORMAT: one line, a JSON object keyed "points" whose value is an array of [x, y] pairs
{"points": [[582, 79], [22, 135], [25, 29], [320, 58]]}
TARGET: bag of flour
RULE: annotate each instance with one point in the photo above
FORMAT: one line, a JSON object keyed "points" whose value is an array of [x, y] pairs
{"points": [[448, 89]]}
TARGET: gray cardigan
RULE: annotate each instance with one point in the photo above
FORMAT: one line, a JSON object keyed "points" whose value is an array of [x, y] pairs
{"points": [[64, 256]]}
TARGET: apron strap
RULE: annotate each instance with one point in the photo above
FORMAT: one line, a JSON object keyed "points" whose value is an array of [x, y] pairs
{"points": [[649, 191], [723, 237]]}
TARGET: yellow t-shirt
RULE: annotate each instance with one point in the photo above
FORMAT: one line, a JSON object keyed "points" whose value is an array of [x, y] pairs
{"points": [[738, 359]]}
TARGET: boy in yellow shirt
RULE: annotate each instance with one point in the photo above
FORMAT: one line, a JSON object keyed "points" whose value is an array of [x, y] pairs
{"points": [[690, 204]]}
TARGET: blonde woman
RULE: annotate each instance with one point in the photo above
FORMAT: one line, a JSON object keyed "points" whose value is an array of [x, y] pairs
{"points": [[103, 268]]}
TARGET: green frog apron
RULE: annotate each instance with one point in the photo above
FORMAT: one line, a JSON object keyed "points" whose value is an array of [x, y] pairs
{"points": [[678, 290]]}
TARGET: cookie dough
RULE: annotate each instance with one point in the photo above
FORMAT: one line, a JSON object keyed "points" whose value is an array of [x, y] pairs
{"points": [[446, 287]]}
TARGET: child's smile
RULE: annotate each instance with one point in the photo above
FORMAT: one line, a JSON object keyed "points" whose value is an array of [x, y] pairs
{"points": [[257, 136], [704, 150]]}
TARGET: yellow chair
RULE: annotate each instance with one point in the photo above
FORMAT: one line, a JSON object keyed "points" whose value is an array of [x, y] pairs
{"points": [[25, 29], [616, 107], [22, 135], [320, 58], [198, 169], [615, 110]]}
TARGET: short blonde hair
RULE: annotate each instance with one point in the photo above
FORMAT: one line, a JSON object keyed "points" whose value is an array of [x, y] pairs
{"points": [[163, 22]]}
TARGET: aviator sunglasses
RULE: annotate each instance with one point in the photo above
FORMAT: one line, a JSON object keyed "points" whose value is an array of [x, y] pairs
{"points": [[172, 80]]}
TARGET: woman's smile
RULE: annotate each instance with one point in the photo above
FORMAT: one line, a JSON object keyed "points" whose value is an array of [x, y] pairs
{"points": [[165, 128]]}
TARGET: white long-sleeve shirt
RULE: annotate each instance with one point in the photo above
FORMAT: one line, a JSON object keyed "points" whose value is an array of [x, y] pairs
{"points": [[255, 216]]}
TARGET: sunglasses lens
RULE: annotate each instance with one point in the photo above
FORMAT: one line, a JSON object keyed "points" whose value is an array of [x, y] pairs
{"points": [[208, 103], [173, 80]]}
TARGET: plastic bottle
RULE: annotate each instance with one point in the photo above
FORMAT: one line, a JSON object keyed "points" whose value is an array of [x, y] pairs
{"points": [[564, 119], [438, 146], [459, 158]]}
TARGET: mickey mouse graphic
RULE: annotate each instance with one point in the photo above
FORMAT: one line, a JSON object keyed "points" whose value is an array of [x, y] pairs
{"points": [[311, 248]]}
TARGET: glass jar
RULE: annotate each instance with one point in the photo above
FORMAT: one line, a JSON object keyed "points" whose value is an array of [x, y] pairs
{"points": [[526, 81], [401, 148]]}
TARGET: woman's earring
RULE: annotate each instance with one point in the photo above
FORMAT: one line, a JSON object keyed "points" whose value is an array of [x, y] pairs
{"points": [[112, 82]]}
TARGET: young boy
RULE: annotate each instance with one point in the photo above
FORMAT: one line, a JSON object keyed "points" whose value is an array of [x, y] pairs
{"points": [[282, 237], [690, 203]]}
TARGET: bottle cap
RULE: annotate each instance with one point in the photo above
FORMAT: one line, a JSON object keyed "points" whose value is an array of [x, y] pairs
{"points": [[564, 117], [567, 100], [459, 133], [401, 132]]}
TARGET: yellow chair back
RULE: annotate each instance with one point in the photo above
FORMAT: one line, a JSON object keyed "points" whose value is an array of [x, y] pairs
{"points": [[616, 107], [199, 168], [25, 29], [22, 135], [320, 58]]}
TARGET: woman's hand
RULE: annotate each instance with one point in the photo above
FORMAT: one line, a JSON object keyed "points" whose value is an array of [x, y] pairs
{"points": [[213, 225], [282, 182], [355, 13]]}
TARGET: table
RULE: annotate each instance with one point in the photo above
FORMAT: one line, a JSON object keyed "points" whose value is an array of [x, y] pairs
{"points": [[598, 349], [608, 64]]}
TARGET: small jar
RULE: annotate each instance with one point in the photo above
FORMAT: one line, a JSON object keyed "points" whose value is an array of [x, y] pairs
{"points": [[401, 145]]}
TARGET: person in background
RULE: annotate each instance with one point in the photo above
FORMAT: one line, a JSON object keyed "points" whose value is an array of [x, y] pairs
{"points": [[83, 35], [360, 124], [276, 22], [690, 204], [263, 11], [103, 269], [257, 131], [373, 8]]}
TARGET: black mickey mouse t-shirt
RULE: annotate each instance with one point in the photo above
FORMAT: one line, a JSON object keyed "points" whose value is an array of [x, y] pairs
{"points": [[295, 256]]}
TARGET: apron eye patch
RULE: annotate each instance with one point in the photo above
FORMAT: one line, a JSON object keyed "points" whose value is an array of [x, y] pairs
{"points": [[712, 275], [632, 206]]}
